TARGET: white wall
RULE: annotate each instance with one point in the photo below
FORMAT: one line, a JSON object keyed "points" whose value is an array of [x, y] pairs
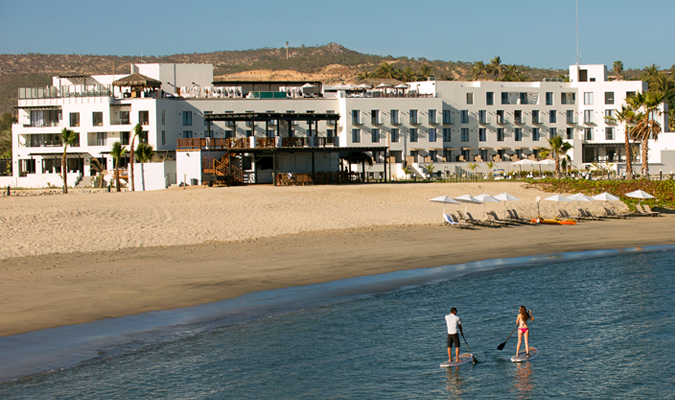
{"points": [[188, 166], [154, 176]]}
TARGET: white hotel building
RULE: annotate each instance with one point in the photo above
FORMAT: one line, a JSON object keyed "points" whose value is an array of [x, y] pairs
{"points": [[206, 130]]}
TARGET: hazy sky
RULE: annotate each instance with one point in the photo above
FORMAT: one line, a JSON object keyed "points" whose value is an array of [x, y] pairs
{"points": [[538, 33]]}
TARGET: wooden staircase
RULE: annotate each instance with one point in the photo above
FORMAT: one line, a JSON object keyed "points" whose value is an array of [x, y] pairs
{"points": [[227, 169]]}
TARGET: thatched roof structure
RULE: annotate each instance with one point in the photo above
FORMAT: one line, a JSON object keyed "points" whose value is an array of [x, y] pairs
{"points": [[137, 80]]}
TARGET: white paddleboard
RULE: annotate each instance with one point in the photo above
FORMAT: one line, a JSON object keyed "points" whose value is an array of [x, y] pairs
{"points": [[522, 356], [463, 359]]}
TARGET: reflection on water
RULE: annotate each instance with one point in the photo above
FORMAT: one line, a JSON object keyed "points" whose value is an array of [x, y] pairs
{"points": [[454, 383], [522, 383]]}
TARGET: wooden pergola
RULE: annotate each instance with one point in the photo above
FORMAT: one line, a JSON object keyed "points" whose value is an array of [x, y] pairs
{"points": [[138, 82]]}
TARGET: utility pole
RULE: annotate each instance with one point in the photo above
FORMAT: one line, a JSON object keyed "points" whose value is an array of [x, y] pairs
{"points": [[287, 49]]}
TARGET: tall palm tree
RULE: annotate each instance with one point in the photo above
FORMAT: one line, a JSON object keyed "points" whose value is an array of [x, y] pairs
{"points": [[650, 73], [559, 148], [97, 167], [627, 117], [384, 70], [496, 68], [645, 127], [425, 71], [144, 152], [68, 138], [512, 73], [618, 69], [138, 132], [118, 151], [479, 71]]}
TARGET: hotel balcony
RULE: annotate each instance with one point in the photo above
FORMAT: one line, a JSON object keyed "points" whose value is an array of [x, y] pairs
{"points": [[257, 143], [502, 120], [485, 121], [520, 121]]}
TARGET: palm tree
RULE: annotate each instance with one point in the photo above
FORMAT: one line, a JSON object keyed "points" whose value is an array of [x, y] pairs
{"points": [[138, 131], [68, 138], [97, 167], [627, 117], [479, 71], [384, 70], [512, 73], [559, 148], [650, 73], [425, 71], [618, 69], [117, 152], [645, 127], [144, 153], [496, 68]]}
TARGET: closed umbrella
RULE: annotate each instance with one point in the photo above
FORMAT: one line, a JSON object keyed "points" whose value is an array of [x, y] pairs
{"points": [[445, 200], [558, 198], [486, 198], [506, 197], [467, 199]]}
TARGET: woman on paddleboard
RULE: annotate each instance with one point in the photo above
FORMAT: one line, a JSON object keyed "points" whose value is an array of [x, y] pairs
{"points": [[523, 316]]}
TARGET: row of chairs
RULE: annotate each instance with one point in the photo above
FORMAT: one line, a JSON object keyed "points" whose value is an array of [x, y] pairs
{"points": [[467, 221]]}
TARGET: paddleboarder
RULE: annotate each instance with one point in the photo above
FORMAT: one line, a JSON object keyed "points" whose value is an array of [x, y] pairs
{"points": [[523, 330], [453, 335]]}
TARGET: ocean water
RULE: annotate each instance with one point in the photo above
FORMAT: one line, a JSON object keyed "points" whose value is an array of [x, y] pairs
{"points": [[604, 327]]}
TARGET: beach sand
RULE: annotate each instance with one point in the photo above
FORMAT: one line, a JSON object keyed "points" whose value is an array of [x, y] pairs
{"points": [[78, 258]]}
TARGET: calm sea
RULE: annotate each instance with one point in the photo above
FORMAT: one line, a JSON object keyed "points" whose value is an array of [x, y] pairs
{"points": [[604, 327]]}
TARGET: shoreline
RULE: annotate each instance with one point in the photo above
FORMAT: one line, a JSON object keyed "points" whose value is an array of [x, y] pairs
{"points": [[54, 290]]}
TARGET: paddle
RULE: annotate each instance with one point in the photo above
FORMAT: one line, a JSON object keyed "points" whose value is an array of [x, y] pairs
{"points": [[467, 346], [501, 346]]}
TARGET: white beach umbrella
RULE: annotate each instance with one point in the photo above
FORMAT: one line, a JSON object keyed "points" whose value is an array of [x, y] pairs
{"points": [[579, 197], [547, 162], [605, 197], [445, 200], [382, 85], [524, 161], [467, 199], [486, 198], [506, 197], [639, 194], [558, 198]]}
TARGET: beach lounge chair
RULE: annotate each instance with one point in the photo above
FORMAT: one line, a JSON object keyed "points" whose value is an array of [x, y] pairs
{"points": [[513, 214], [609, 213], [644, 213], [491, 219], [471, 219], [585, 214], [648, 210], [499, 220], [447, 219]]}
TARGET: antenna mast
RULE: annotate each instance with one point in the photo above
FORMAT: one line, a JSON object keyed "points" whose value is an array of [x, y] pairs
{"points": [[577, 2]]}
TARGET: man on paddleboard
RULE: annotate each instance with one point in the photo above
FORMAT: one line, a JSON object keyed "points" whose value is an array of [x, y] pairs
{"points": [[453, 336]]}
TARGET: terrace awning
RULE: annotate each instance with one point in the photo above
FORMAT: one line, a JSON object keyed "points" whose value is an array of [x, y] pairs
{"points": [[59, 155], [138, 80], [255, 116]]}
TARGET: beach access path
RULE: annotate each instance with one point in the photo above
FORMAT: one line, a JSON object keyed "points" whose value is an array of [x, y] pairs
{"points": [[78, 258]]}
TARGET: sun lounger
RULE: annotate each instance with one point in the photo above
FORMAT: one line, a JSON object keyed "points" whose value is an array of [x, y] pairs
{"points": [[644, 213], [499, 220], [585, 214], [648, 210], [513, 215], [474, 221], [491, 219], [447, 219], [609, 213]]}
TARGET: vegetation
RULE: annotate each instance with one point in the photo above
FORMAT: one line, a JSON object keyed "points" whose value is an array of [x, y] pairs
{"points": [[68, 138], [559, 148], [138, 132], [117, 152], [144, 152], [96, 166], [6, 121]]}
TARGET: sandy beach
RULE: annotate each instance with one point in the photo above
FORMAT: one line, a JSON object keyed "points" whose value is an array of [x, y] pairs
{"points": [[77, 258]]}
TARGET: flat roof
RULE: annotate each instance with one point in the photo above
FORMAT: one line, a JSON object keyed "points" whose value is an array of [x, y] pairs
{"points": [[260, 116]]}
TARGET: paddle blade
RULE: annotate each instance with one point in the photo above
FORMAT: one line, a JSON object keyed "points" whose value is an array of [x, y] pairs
{"points": [[475, 361], [501, 346]]}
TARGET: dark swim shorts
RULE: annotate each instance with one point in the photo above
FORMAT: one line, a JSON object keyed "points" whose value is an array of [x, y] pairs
{"points": [[453, 339]]}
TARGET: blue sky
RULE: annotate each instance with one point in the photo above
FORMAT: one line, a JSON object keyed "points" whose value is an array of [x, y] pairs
{"points": [[538, 33]]}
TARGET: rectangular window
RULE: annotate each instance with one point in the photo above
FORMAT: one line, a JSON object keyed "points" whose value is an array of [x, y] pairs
{"points": [[187, 134], [75, 119], [609, 133], [205, 114], [465, 116], [518, 116], [230, 123], [500, 117], [518, 134], [163, 138], [394, 135], [375, 117], [609, 116], [551, 117], [500, 134], [432, 134], [569, 115], [505, 97], [163, 117], [465, 134], [375, 135], [535, 134], [552, 132], [482, 117], [144, 117], [588, 116], [469, 98], [393, 115], [413, 135], [588, 133], [124, 118], [432, 117], [490, 98], [97, 118], [413, 117], [535, 117], [482, 134], [230, 134], [446, 135], [356, 135], [249, 132], [101, 138], [447, 117], [570, 134], [124, 138], [609, 97], [523, 98], [588, 98], [356, 117], [187, 118], [549, 98], [329, 133]]}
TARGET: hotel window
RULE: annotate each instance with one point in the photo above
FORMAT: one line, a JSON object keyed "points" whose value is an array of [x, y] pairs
{"points": [[394, 135], [229, 123], [356, 117], [588, 98], [464, 116], [518, 116], [163, 138], [469, 98], [482, 117], [356, 135], [249, 132], [588, 116], [187, 118], [393, 115], [432, 117], [535, 134], [124, 118], [588, 133], [465, 134], [329, 133], [570, 133], [569, 114], [505, 97], [97, 118], [414, 137], [206, 113], [375, 117], [535, 117], [609, 116], [101, 138], [552, 132], [551, 117], [519, 134], [163, 117], [75, 119], [549, 98], [413, 117], [230, 134], [144, 117], [124, 138], [446, 135], [609, 97], [523, 98], [500, 117], [375, 135], [482, 135], [447, 117], [630, 94], [500, 134], [432, 134], [490, 98], [609, 133], [187, 134]]}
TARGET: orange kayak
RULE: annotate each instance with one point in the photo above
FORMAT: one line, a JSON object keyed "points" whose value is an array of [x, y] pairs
{"points": [[553, 221]]}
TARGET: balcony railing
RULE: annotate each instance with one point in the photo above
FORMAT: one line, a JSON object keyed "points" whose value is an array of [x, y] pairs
{"points": [[520, 121], [484, 121], [52, 92], [501, 120], [256, 143]]}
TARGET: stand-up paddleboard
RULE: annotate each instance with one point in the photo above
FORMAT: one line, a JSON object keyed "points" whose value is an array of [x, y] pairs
{"points": [[463, 359], [522, 356]]}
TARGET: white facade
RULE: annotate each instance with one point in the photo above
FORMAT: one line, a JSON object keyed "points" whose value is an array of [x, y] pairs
{"points": [[446, 123]]}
